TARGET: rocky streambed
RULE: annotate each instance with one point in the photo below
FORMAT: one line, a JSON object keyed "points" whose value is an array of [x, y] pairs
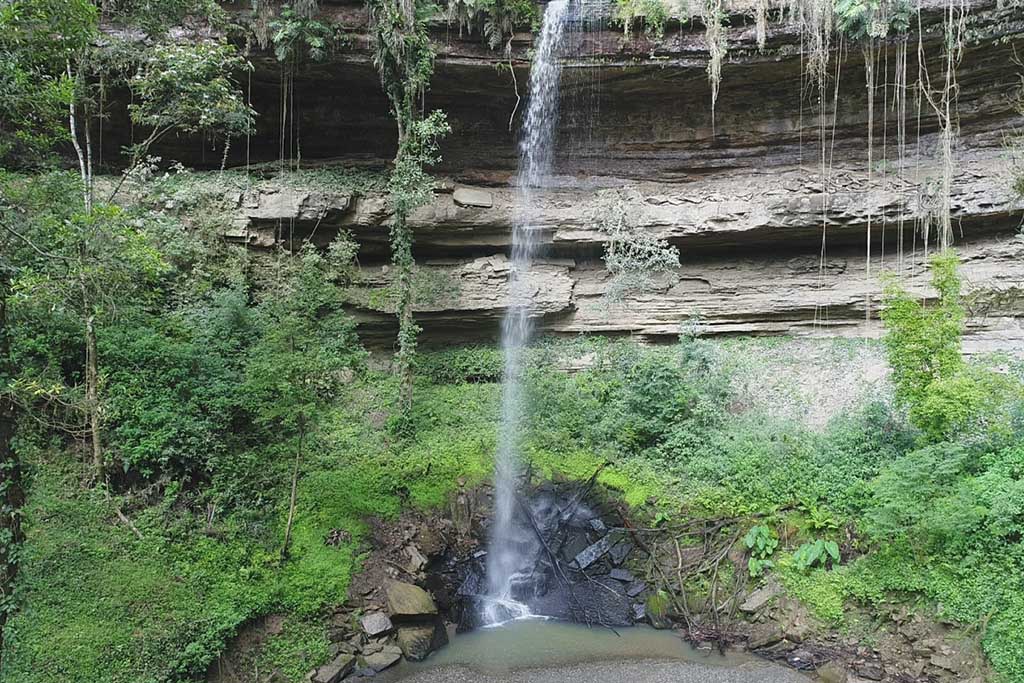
{"points": [[604, 588]]}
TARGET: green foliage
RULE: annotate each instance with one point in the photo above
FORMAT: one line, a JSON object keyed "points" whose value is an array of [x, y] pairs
{"points": [[946, 397], [305, 346], [190, 87], [37, 37], [632, 256], [761, 542], [456, 366], [653, 15], [296, 35], [494, 20], [924, 342], [817, 553], [866, 19]]}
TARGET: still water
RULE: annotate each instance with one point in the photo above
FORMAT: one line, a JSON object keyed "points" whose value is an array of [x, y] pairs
{"points": [[554, 652]]}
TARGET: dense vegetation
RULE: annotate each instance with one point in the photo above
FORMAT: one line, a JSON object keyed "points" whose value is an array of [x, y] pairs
{"points": [[185, 425]]}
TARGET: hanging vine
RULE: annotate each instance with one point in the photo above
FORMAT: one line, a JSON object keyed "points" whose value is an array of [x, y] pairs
{"points": [[404, 57]]}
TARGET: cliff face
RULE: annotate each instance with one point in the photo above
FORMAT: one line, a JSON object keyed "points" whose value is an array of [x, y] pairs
{"points": [[772, 238]]}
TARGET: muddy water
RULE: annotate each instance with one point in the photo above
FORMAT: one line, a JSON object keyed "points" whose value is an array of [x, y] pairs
{"points": [[534, 651]]}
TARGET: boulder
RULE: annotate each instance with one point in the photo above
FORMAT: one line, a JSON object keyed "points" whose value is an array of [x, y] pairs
{"points": [[375, 624], [339, 667], [388, 656], [764, 635], [409, 601], [416, 642], [636, 588]]}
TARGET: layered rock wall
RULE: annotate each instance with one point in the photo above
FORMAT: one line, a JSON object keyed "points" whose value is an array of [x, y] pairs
{"points": [[771, 204]]}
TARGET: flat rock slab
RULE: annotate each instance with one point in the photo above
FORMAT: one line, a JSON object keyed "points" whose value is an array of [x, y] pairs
{"points": [[592, 553], [376, 624], [407, 600], [761, 597], [636, 588], [620, 551], [385, 658], [469, 196], [623, 575], [339, 667]]}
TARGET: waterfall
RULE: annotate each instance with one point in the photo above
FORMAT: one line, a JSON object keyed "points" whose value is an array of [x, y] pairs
{"points": [[513, 547]]}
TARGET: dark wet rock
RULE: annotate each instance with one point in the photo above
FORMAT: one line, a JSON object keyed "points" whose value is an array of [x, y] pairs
{"points": [[636, 588], [407, 601], [416, 642], [388, 656], [473, 584], [620, 551], [872, 671], [333, 672], [592, 553], [595, 602], [639, 611], [623, 575], [375, 624], [801, 659], [573, 546]]}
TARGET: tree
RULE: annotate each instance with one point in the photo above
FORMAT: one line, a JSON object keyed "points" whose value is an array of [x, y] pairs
{"points": [[404, 57], [946, 397], [90, 264], [305, 346], [12, 496]]}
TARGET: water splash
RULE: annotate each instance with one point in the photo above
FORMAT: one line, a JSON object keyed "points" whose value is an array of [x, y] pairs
{"points": [[513, 546]]}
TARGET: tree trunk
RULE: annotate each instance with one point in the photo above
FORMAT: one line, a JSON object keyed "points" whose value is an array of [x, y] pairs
{"points": [[92, 400], [12, 494], [295, 487], [84, 164]]}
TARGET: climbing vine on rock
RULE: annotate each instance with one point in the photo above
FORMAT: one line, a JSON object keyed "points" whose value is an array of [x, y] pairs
{"points": [[404, 57]]}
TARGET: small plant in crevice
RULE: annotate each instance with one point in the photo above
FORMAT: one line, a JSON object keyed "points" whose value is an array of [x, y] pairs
{"points": [[633, 256], [761, 541]]}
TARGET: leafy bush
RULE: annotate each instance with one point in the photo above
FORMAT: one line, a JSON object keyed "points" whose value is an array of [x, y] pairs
{"points": [[652, 14], [818, 553], [457, 366], [761, 541], [946, 398]]}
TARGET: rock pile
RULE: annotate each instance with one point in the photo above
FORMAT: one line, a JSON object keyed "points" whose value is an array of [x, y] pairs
{"points": [[580, 560], [412, 628]]}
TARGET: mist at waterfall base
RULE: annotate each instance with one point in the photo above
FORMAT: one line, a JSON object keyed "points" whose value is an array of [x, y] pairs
{"points": [[514, 547]]}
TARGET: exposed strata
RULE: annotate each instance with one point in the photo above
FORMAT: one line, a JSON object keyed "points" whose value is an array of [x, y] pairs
{"points": [[772, 239], [751, 244]]}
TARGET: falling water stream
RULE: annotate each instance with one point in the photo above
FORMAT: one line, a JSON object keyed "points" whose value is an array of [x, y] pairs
{"points": [[512, 547]]}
